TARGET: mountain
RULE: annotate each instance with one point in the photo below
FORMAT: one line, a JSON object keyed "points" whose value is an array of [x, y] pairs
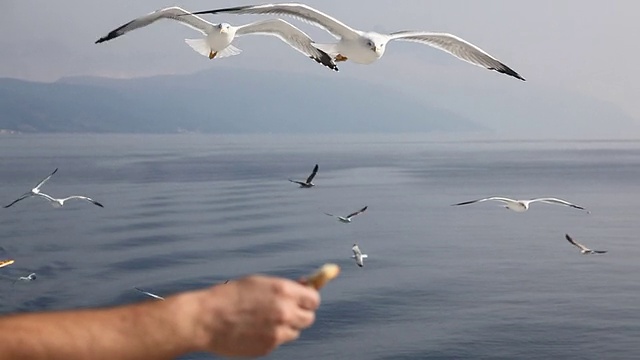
{"points": [[230, 101]]}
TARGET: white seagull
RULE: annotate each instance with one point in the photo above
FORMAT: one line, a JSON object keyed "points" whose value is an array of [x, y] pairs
{"points": [[583, 249], [522, 205], [35, 191], [366, 47], [30, 277], [149, 294], [308, 183], [358, 255], [347, 219], [218, 37], [60, 202]]}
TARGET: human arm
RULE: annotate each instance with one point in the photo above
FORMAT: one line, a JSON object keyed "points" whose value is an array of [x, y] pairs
{"points": [[248, 317]]}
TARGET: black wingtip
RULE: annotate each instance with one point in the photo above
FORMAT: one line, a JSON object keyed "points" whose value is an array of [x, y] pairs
{"points": [[97, 203], [504, 69], [326, 60]]}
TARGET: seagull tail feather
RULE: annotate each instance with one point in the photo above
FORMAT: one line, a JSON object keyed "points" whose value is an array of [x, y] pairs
{"points": [[199, 45]]}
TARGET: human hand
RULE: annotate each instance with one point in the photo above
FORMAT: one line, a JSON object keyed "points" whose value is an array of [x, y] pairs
{"points": [[254, 315]]}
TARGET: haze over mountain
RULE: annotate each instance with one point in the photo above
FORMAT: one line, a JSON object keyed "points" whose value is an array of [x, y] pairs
{"points": [[228, 100], [221, 102]]}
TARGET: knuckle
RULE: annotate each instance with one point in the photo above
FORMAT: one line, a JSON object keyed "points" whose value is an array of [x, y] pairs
{"points": [[279, 287]]}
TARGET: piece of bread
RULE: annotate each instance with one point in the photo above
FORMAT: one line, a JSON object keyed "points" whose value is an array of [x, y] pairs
{"points": [[322, 276], [4, 263]]}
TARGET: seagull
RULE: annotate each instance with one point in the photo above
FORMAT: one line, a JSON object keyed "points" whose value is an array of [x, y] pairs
{"points": [[4, 263], [60, 202], [366, 47], [583, 249], [308, 183], [218, 37], [30, 277], [149, 294], [522, 205], [347, 219], [35, 191], [358, 255]]}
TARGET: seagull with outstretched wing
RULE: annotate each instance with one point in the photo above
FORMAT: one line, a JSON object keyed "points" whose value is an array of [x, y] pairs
{"points": [[358, 255], [365, 47], [218, 37], [583, 249], [309, 182], [521, 205], [35, 191], [347, 219]]}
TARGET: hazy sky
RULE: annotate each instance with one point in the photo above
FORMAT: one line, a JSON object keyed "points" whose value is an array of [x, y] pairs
{"points": [[580, 46]]}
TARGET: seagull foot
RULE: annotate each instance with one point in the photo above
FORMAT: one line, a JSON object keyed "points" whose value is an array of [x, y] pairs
{"points": [[212, 54], [340, 58]]}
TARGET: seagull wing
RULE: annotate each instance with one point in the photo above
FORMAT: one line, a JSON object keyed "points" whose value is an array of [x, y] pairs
{"points": [[357, 212], [300, 11], [329, 214], [4, 263], [45, 179], [149, 294], [600, 251], [173, 13], [297, 182], [83, 198], [556, 201], [457, 47], [290, 34], [313, 174], [576, 244], [495, 198], [24, 196]]}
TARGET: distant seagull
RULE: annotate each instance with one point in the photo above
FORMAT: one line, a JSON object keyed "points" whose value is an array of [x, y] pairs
{"points": [[218, 37], [366, 47], [35, 191], [30, 277], [347, 219], [149, 294], [308, 183], [358, 255], [583, 249], [522, 205], [60, 202], [4, 263], [227, 281]]}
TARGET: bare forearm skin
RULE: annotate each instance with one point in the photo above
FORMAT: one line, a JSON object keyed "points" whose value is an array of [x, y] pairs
{"points": [[150, 330]]}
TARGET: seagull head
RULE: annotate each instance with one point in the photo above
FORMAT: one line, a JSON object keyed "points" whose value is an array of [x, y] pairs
{"points": [[375, 44], [224, 28]]}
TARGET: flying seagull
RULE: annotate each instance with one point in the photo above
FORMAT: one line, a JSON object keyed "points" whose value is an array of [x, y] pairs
{"points": [[308, 183], [149, 294], [366, 47], [583, 249], [35, 191], [60, 202], [522, 205], [218, 37], [358, 255], [347, 219], [30, 277]]}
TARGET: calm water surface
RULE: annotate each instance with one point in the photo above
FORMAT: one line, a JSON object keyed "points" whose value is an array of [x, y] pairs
{"points": [[441, 282]]}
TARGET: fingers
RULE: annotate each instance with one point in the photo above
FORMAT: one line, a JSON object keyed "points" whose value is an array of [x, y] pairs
{"points": [[285, 334], [302, 319]]}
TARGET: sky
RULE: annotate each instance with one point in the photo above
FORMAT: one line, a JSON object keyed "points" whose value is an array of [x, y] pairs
{"points": [[582, 47]]}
